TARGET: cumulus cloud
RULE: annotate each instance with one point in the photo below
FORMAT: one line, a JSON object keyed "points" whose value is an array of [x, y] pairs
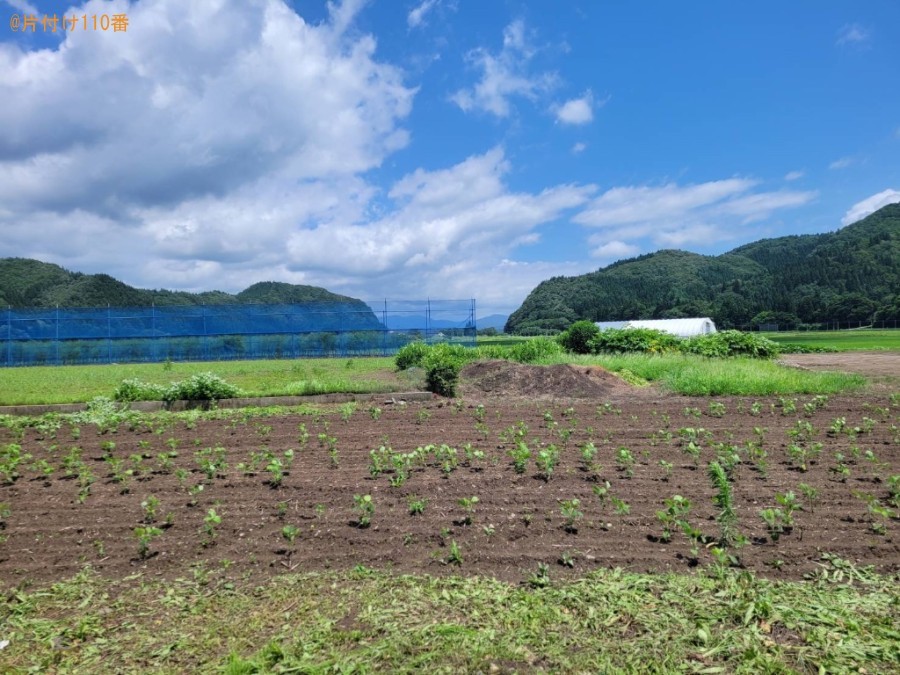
{"points": [[869, 205], [675, 215], [794, 175], [504, 75], [613, 250], [853, 34], [22, 6], [577, 110]]}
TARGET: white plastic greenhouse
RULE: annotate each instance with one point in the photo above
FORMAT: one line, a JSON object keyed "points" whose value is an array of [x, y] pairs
{"points": [[680, 327]]}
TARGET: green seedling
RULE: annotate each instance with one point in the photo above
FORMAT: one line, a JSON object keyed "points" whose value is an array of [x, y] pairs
{"points": [[625, 461], [468, 504], [416, 505], [546, 460], [520, 456], [150, 506], [365, 509], [572, 514], [145, 536]]}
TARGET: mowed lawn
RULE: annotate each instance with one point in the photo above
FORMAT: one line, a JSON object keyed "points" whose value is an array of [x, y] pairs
{"points": [[74, 384], [842, 340]]}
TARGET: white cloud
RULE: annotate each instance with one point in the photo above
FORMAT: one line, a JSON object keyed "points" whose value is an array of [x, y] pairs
{"points": [[897, 133], [578, 148], [675, 215], [794, 175], [842, 163], [503, 75], [853, 34], [577, 110], [869, 205], [23, 6], [416, 16], [614, 250]]}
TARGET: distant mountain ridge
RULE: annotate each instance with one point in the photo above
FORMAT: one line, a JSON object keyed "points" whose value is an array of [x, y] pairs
{"points": [[851, 274], [31, 283]]}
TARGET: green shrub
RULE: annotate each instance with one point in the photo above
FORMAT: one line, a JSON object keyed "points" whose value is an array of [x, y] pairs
{"points": [[491, 352], [411, 355], [732, 343], [621, 340], [201, 387], [138, 390], [534, 350], [578, 338], [442, 364]]}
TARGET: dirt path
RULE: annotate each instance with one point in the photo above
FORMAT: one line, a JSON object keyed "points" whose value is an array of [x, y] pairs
{"points": [[872, 364]]}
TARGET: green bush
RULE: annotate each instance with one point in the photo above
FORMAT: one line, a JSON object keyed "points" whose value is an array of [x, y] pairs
{"points": [[411, 355], [201, 387], [442, 364], [577, 338], [138, 390], [732, 343], [534, 350], [621, 340]]}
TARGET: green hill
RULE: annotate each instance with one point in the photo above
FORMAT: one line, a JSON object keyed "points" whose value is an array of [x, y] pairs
{"points": [[31, 283], [852, 274]]}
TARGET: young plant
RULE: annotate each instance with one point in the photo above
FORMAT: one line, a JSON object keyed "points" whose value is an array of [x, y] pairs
{"points": [[572, 514], [416, 505], [775, 522], [210, 522], [520, 456], [811, 494], [588, 455], [602, 492], [667, 469], [455, 556], [717, 409], [541, 578], [625, 461], [374, 412], [290, 533], [365, 509], [724, 500], [620, 506], [145, 536], [546, 460], [468, 504], [674, 515], [150, 505]]}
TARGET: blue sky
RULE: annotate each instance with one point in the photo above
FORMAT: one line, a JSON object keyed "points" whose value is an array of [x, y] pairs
{"points": [[437, 148]]}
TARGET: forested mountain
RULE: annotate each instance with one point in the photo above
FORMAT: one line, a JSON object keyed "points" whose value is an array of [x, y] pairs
{"points": [[31, 283], [849, 275]]}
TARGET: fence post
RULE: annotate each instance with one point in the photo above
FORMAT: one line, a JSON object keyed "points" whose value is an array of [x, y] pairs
{"points": [[56, 342], [108, 333], [384, 332]]}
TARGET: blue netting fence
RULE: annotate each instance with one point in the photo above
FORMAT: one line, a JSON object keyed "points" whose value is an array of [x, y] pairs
{"points": [[222, 332]]}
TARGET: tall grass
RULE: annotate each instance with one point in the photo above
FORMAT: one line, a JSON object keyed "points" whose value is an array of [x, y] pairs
{"points": [[700, 376]]}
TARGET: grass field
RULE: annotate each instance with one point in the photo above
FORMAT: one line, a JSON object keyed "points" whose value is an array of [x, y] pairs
{"points": [[365, 621], [75, 384], [700, 376], [841, 340]]}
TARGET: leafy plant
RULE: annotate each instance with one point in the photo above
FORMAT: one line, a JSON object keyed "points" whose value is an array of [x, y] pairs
{"points": [[572, 514], [625, 461], [290, 533], [150, 506], [210, 522], [520, 456], [547, 458], [365, 509], [416, 505], [724, 500], [468, 504], [674, 515], [145, 536], [455, 555]]}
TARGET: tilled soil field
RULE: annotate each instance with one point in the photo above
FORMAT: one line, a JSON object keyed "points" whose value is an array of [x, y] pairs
{"points": [[57, 523]]}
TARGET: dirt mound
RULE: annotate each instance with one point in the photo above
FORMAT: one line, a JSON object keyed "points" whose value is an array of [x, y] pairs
{"points": [[507, 378]]}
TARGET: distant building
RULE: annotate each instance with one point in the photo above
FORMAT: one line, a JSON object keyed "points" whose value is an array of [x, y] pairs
{"points": [[680, 327]]}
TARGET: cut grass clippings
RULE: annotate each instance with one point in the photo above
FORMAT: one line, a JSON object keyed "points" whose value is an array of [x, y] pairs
{"points": [[720, 620]]}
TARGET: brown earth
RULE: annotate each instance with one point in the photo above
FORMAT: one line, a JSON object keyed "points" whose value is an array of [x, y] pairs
{"points": [[517, 522], [873, 364]]}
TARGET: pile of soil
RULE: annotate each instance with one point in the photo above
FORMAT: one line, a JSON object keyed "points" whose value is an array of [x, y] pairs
{"points": [[507, 378]]}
